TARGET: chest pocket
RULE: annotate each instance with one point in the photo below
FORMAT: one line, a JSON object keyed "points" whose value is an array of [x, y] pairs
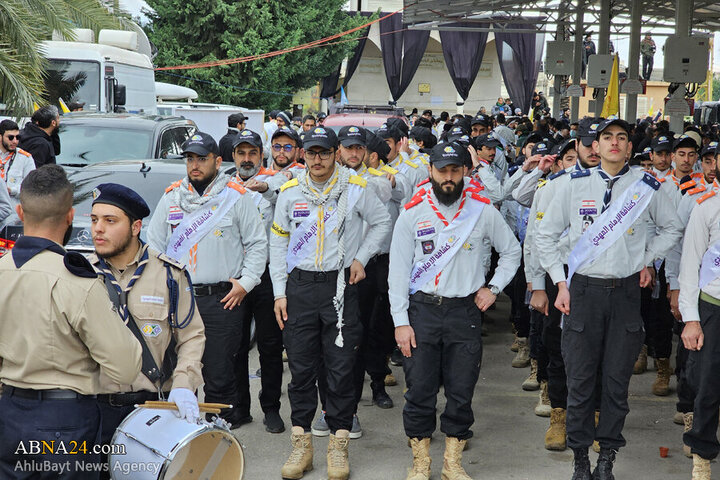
{"points": [[152, 307]]}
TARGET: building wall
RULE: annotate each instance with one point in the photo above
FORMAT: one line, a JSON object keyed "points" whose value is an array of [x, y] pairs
{"points": [[368, 85]]}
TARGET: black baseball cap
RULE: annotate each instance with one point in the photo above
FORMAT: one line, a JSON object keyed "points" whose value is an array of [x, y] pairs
{"points": [[126, 199], [533, 138], [684, 141], [423, 134], [248, 136], [320, 137], [480, 119], [562, 148], [541, 148], [612, 121], [587, 130], [352, 135], [399, 124], [388, 131], [201, 144], [288, 132], [449, 153], [377, 145], [661, 143], [456, 133], [488, 140], [710, 148]]}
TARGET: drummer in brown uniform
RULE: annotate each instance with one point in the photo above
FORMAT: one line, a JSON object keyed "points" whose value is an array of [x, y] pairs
{"points": [[153, 294], [58, 333]]}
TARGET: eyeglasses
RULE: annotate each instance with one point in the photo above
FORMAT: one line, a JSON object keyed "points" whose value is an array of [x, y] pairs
{"points": [[200, 160], [287, 148], [13, 137], [324, 154]]}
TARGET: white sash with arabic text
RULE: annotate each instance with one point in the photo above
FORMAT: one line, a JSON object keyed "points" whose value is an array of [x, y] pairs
{"points": [[710, 266]]}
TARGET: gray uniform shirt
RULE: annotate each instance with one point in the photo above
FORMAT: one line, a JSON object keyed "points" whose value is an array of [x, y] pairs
{"points": [[572, 208], [465, 273]]}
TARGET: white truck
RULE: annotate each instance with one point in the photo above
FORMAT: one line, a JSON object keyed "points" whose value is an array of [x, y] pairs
{"points": [[114, 74]]}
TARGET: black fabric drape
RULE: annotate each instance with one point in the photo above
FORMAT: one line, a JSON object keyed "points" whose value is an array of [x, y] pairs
{"points": [[519, 55], [463, 52], [330, 86], [402, 52]]}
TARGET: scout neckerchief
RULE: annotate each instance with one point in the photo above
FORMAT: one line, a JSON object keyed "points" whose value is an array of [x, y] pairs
{"points": [[610, 225], [8, 160], [450, 240], [123, 292]]}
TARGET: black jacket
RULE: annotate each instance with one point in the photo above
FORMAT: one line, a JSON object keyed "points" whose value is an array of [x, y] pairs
{"points": [[35, 141], [226, 145]]}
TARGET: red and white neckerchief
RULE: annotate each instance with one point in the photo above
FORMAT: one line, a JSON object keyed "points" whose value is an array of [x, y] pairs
{"points": [[444, 220]]}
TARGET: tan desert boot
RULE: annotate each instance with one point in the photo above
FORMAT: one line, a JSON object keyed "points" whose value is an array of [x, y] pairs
{"points": [[661, 386], [688, 421], [641, 362], [337, 456], [555, 437], [301, 457], [701, 468], [452, 464], [421, 459]]}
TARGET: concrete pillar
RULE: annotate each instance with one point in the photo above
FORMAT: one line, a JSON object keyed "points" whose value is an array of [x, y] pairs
{"points": [[602, 47], [634, 57], [577, 58], [683, 27]]}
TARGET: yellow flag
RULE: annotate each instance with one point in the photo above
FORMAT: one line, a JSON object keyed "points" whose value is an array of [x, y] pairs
{"points": [[612, 97], [36, 107], [651, 112], [63, 107]]}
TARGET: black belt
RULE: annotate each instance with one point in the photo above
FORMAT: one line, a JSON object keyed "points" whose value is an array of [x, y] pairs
{"points": [[423, 297], [317, 277], [50, 394], [127, 399], [212, 289], [606, 282]]}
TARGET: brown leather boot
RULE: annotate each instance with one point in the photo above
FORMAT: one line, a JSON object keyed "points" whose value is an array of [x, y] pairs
{"points": [[556, 435], [421, 459], [301, 458], [337, 456], [641, 362], [452, 464], [661, 386]]}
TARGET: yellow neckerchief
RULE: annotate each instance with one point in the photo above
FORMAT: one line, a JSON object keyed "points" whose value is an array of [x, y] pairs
{"points": [[320, 242], [362, 171]]}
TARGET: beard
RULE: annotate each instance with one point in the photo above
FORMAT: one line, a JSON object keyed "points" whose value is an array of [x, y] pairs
{"points": [[247, 169], [6, 146], [118, 248], [447, 198], [282, 161], [68, 233]]}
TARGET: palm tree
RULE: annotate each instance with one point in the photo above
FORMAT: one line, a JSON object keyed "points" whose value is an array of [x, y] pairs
{"points": [[24, 24]]}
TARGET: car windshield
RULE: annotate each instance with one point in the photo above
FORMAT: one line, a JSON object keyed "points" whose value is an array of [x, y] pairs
{"points": [[83, 144]]}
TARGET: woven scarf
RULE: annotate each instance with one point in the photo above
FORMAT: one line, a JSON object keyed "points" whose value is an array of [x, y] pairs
{"points": [[187, 198]]}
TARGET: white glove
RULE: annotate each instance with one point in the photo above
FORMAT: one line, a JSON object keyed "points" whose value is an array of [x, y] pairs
{"points": [[187, 404]]}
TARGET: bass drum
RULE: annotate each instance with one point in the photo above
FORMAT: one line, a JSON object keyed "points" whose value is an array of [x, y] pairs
{"points": [[158, 445]]}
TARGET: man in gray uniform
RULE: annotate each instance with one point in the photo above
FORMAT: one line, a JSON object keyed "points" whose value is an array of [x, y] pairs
{"points": [[437, 291], [316, 260], [210, 223], [606, 212], [58, 334]]}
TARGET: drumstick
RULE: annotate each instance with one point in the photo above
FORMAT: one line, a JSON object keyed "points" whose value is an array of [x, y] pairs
{"points": [[206, 405], [172, 406]]}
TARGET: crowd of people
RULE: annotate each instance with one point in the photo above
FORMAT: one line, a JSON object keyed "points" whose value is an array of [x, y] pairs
{"points": [[354, 248]]}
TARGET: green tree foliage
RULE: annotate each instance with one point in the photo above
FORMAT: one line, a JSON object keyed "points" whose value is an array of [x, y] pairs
{"points": [[191, 31], [24, 24]]}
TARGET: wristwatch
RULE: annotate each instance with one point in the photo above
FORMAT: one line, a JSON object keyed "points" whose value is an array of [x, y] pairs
{"points": [[494, 290]]}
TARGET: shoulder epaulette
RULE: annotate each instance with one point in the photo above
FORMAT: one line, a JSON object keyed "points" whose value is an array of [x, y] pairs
{"points": [[558, 174], [479, 198], [236, 186], [170, 261], [542, 182], [651, 180], [711, 193], [580, 173], [662, 180], [688, 184], [696, 190], [483, 162], [22, 152], [78, 265], [357, 180], [173, 186], [389, 169], [475, 182], [416, 199], [408, 162], [267, 171], [288, 184], [424, 182], [375, 171]]}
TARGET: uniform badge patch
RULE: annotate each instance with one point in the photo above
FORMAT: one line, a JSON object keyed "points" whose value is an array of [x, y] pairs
{"points": [[175, 213], [151, 330], [425, 228], [428, 247], [588, 208], [301, 210], [587, 220]]}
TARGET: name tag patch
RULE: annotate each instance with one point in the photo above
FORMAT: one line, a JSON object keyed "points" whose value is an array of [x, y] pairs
{"points": [[301, 210], [152, 299], [151, 330], [175, 214], [428, 247]]}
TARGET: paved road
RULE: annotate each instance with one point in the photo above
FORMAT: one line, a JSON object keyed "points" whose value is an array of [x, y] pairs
{"points": [[508, 442]]}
